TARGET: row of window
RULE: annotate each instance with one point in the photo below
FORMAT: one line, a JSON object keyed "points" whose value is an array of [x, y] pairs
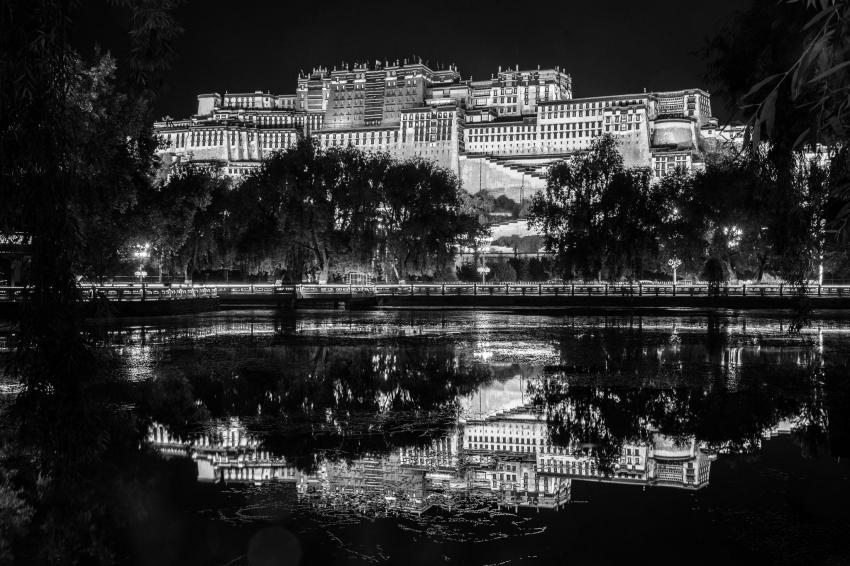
{"points": [[533, 137], [512, 440], [210, 138], [569, 114], [257, 102], [621, 127], [381, 136], [508, 448], [623, 118]]}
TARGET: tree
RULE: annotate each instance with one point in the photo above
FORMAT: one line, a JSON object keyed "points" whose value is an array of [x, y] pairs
{"points": [[682, 221], [467, 272], [739, 212], [596, 216], [317, 201], [256, 208], [539, 269], [501, 272], [176, 221], [340, 209], [479, 204], [520, 266], [76, 147], [422, 221], [786, 66]]}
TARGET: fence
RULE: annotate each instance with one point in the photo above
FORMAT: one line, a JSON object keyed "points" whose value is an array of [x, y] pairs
{"points": [[158, 293], [608, 289], [122, 293]]}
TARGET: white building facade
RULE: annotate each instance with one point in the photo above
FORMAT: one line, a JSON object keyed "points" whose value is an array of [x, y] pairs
{"points": [[498, 135]]}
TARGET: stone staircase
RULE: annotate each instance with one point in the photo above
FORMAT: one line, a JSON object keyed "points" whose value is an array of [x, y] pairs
{"points": [[514, 163]]}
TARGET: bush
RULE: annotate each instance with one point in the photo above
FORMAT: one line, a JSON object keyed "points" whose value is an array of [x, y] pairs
{"points": [[467, 272], [539, 269], [502, 272], [521, 267], [714, 271]]}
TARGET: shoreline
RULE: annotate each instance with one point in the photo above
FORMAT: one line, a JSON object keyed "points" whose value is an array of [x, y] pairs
{"points": [[834, 306]]}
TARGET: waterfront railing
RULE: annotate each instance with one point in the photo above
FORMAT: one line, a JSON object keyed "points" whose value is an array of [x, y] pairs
{"points": [[153, 292], [121, 293]]}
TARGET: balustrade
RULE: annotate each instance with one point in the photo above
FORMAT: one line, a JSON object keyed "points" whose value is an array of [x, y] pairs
{"points": [[160, 293]]}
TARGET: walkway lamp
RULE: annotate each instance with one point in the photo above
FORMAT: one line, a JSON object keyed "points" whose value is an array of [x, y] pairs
{"points": [[141, 254], [483, 270], [674, 262]]}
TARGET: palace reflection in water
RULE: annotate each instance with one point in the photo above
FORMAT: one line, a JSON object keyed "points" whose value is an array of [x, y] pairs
{"points": [[506, 457], [395, 437], [544, 424]]}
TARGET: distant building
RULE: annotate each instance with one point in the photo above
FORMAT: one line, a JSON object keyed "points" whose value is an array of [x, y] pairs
{"points": [[498, 134]]}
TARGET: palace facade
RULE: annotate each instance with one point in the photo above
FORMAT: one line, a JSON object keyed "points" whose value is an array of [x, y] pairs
{"points": [[498, 134]]}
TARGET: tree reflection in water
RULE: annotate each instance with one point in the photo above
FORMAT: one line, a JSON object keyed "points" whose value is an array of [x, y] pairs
{"points": [[618, 392], [376, 425], [307, 400], [617, 385]]}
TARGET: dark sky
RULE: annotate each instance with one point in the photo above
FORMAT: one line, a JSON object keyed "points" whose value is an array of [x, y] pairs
{"points": [[609, 47]]}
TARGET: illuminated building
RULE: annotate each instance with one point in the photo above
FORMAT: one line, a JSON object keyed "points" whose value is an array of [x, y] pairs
{"points": [[498, 134]]}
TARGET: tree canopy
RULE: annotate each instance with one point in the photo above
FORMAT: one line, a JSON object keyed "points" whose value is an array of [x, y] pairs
{"points": [[330, 211], [597, 216], [785, 67]]}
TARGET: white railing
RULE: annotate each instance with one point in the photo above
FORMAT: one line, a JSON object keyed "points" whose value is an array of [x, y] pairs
{"points": [[122, 293], [312, 291], [608, 289]]}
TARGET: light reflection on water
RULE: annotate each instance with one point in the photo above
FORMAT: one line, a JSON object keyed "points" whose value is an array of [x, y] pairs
{"points": [[362, 430]]}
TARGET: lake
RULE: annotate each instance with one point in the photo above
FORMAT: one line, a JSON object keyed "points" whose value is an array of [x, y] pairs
{"points": [[464, 437]]}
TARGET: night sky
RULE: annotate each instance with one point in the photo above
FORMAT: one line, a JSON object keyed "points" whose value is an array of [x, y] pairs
{"points": [[609, 47]]}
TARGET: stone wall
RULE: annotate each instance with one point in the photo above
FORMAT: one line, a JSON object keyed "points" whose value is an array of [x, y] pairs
{"points": [[634, 147], [676, 132], [443, 153], [480, 173]]}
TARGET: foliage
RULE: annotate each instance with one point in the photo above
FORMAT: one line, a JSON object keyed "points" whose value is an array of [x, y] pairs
{"points": [[422, 221], [501, 272], [466, 272], [479, 204], [364, 398], [786, 66], [539, 269], [76, 152], [597, 216], [756, 218], [606, 392], [334, 210], [789, 64], [183, 216]]}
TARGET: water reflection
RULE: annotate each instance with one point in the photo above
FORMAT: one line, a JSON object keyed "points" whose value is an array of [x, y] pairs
{"points": [[507, 458], [402, 424], [377, 435]]}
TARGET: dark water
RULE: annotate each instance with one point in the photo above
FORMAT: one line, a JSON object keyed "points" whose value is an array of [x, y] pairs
{"points": [[472, 438]]}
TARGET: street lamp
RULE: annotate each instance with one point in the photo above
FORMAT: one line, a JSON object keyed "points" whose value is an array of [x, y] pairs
{"points": [[674, 262], [483, 270], [142, 253]]}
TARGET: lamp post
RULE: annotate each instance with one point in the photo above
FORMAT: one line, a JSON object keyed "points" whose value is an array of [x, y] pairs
{"points": [[483, 270], [142, 253], [674, 262]]}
